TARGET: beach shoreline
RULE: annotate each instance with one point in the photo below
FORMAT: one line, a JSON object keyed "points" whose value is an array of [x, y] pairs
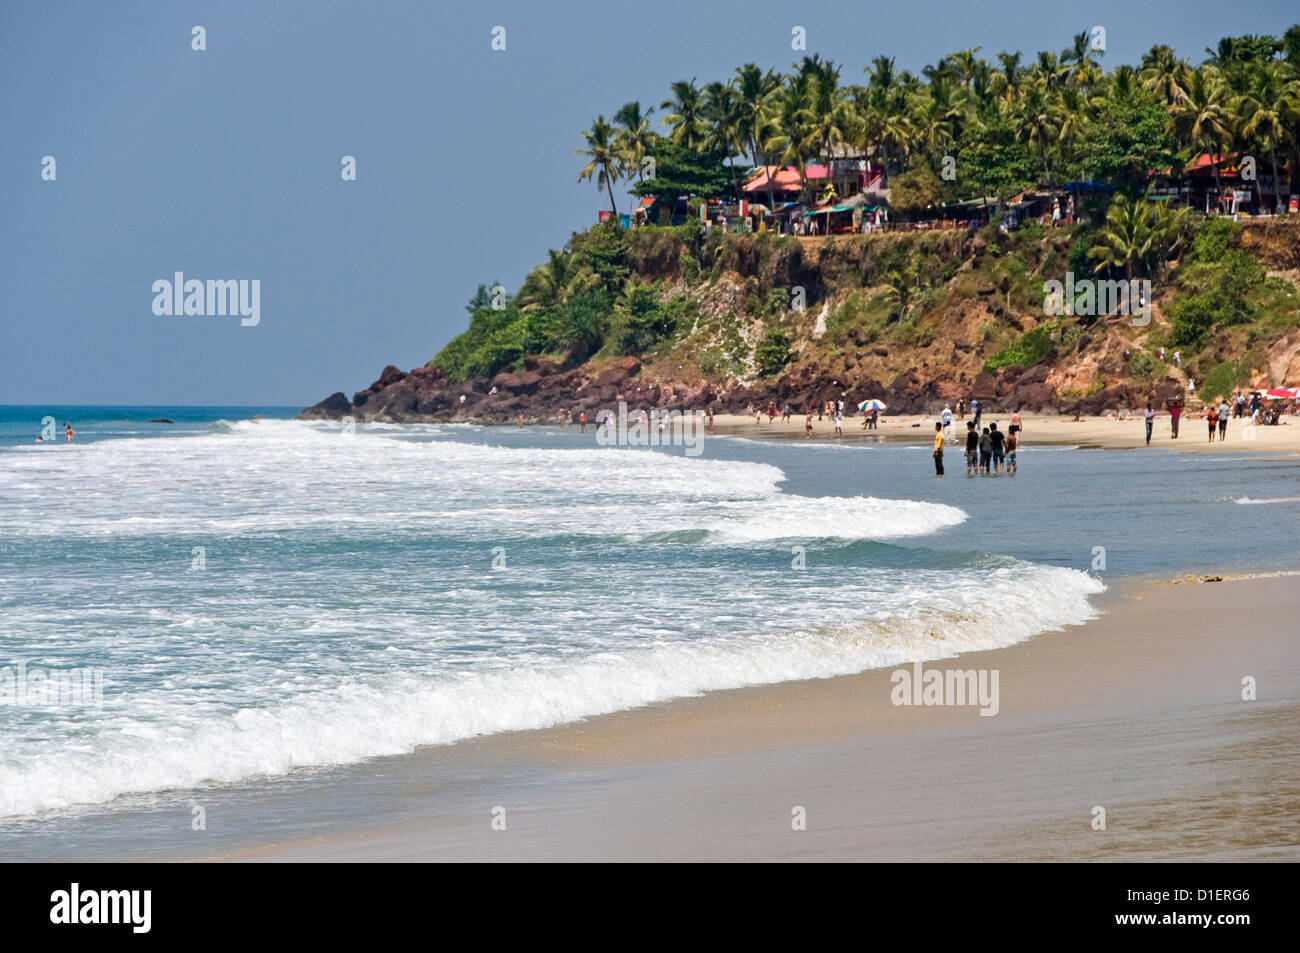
{"points": [[1139, 712], [1103, 433]]}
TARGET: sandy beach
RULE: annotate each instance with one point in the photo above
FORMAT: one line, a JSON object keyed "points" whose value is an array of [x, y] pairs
{"points": [[1139, 712], [1102, 432]]}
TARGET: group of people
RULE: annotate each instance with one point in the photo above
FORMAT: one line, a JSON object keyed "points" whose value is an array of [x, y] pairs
{"points": [[989, 451], [1216, 414]]}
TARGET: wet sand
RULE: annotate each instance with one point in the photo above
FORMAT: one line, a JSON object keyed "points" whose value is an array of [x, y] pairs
{"points": [[1139, 712]]}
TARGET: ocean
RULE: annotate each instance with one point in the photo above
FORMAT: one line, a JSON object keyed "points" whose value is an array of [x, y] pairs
{"points": [[265, 602]]}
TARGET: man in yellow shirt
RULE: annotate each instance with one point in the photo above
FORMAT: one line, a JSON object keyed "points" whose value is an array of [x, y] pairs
{"points": [[938, 448]]}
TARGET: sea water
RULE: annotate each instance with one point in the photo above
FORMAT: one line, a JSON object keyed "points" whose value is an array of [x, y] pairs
{"points": [[265, 599]]}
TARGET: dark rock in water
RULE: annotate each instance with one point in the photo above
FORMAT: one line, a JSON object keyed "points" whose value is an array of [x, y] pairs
{"points": [[162, 420], [333, 407]]}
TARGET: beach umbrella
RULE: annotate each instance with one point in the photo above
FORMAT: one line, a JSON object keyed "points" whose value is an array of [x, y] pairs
{"points": [[1280, 392], [872, 403]]}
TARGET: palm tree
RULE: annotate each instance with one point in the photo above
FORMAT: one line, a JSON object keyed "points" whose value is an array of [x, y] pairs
{"points": [[1200, 119], [1127, 237], [938, 116], [1080, 54], [1164, 73], [1073, 115], [965, 64], [1124, 84], [754, 90], [635, 140], [554, 282], [1262, 115], [792, 137], [686, 120], [1011, 73], [721, 111], [828, 117], [1038, 123], [882, 110], [603, 158], [1048, 70]]}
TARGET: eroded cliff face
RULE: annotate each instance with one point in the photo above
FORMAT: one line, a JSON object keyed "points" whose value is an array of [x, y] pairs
{"points": [[978, 294]]}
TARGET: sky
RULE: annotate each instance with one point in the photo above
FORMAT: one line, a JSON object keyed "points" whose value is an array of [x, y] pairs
{"points": [[225, 163]]}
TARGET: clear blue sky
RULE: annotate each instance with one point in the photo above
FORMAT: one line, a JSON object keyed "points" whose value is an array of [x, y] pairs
{"points": [[225, 163]]}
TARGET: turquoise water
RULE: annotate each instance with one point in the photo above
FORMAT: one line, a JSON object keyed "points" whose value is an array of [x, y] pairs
{"points": [[266, 600]]}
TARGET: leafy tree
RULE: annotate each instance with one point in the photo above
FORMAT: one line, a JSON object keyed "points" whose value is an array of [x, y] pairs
{"points": [[1128, 141], [640, 320], [991, 162], [773, 353], [681, 172]]}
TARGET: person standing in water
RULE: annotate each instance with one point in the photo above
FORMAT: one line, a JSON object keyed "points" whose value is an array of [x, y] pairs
{"points": [[1012, 442], [972, 449], [998, 438], [938, 448], [68, 432]]}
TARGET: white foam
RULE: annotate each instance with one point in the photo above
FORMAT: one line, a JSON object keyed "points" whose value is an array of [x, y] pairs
{"points": [[362, 719]]}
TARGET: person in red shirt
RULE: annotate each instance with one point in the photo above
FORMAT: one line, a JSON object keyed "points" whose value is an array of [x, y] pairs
{"points": [[1212, 418]]}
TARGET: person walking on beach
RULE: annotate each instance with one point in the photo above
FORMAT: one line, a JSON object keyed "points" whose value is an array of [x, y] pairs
{"points": [[1149, 415], [1175, 414], [961, 408], [972, 449], [938, 449], [1212, 418], [947, 421], [785, 413], [986, 451], [1016, 425], [807, 424], [582, 422], [1013, 441], [771, 411], [1223, 420], [976, 410]]}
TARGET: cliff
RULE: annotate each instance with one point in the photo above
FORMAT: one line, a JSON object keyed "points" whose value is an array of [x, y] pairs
{"points": [[681, 318]]}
